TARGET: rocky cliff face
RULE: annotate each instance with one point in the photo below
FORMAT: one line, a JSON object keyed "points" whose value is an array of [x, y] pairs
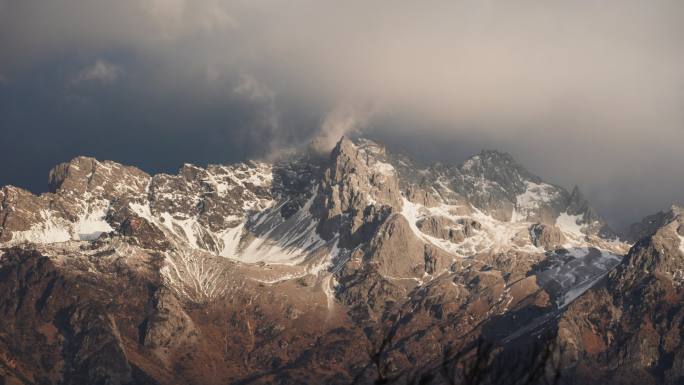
{"points": [[628, 329], [358, 266]]}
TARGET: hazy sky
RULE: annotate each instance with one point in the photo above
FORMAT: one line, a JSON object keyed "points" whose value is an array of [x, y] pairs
{"points": [[580, 92]]}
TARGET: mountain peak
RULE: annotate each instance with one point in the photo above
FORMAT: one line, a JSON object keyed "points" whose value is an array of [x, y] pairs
{"points": [[650, 224], [345, 240], [344, 145], [499, 166], [658, 251], [496, 156], [83, 174]]}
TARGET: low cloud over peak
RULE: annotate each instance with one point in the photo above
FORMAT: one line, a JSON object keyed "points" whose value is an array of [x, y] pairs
{"points": [[581, 92]]}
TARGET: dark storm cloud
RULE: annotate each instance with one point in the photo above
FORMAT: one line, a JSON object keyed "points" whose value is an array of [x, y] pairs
{"points": [[581, 92]]}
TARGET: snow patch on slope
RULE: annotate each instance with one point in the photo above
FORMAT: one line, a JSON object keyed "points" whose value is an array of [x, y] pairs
{"points": [[413, 213], [681, 244], [535, 196], [494, 236], [92, 224], [231, 241], [50, 230], [142, 211], [53, 229], [571, 278], [383, 168], [285, 242], [570, 225], [502, 236], [186, 230]]}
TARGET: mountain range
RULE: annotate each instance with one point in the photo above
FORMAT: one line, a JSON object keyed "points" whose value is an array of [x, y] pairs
{"points": [[350, 266]]}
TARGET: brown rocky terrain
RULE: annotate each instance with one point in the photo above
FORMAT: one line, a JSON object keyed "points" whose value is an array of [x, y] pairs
{"points": [[628, 329], [356, 266]]}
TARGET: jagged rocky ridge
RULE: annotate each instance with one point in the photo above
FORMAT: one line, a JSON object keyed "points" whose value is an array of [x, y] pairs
{"points": [[628, 328], [350, 266]]}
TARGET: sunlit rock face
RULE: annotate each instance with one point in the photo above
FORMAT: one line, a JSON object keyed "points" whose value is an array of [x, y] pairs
{"points": [[356, 265]]}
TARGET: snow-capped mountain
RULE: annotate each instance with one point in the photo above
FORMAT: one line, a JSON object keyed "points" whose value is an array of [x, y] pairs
{"points": [[321, 268]]}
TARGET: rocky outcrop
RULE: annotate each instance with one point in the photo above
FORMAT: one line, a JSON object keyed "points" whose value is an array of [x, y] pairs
{"points": [[105, 180], [441, 227], [355, 192], [455, 231], [396, 250], [470, 227], [547, 237]]}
